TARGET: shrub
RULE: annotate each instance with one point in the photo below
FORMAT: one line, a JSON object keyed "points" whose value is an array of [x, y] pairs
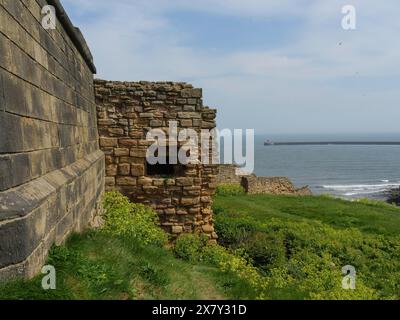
{"points": [[230, 189], [302, 259], [265, 250], [233, 231], [127, 219], [190, 246]]}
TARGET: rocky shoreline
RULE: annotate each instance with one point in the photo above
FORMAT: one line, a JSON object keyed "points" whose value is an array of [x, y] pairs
{"points": [[393, 196]]}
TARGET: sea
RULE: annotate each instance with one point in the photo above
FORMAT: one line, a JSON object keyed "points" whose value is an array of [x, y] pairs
{"points": [[347, 171]]}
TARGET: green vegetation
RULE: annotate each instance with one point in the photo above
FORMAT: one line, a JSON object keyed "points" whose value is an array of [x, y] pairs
{"points": [[132, 220], [126, 259], [96, 265], [300, 244], [195, 248], [271, 247], [372, 217], [230, 190]]}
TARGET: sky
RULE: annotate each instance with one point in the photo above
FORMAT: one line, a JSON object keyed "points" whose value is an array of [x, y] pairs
{"points": [[276, 66]]}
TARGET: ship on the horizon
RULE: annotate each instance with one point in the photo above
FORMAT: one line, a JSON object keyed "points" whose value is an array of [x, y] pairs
{"points": [[269, 143], [329, 143]]}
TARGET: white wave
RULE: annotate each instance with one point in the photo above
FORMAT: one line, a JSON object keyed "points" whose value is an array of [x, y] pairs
{"points": [[361, 186], [363, 192], [361, 189]]}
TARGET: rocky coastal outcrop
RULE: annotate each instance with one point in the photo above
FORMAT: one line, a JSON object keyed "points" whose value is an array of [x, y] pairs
{"points": [[394, 197]]}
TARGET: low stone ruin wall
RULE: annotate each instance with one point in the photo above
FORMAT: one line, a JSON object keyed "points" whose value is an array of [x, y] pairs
{"points": [[227, 173], [271, 185], [230, 174]]}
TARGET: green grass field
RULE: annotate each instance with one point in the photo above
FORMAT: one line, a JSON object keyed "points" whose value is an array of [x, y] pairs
{"points": [[367, 216], [297, 245], [303, 242]]}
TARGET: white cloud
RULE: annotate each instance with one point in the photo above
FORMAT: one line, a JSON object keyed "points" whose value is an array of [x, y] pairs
{"points": [[135, 40]]}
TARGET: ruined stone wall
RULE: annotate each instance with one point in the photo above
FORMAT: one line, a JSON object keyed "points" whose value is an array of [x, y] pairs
{"points": [[51, 167], [126, 112], [272, 185], [229, 174]]}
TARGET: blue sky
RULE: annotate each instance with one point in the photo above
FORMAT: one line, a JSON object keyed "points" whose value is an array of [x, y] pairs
{"points": [[276, 66]]}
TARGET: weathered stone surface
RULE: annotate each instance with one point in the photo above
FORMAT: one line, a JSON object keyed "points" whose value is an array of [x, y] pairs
{"points": [[208, 228], [192, 93], [120, 152], [126, 181], [189, 108], [108, 142], [158, 182], [188, 201], [206, 199], [146, 115], [231, 174], [184, 181], [228, 174], [110, 181], [177, 229], [137, 170], [145, 181], [127, 142], [124, 169], [37, 210], [112, 170], [186, 123], [156, 123], [116, 131], [189, 115], [138, 153], [170, 211], [51, 168], [207, 125], [271, 185], [182, 197]]}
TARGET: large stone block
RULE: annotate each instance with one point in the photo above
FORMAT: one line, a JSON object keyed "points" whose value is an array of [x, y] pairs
{"points": [[11, 133], [137, 170], [192, 93], [126, 181], [124, 169], [19, 238], [6, 178], [108, 142]]}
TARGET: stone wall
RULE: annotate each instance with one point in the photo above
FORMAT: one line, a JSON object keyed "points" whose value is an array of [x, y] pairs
{"points": [[228, 173], [272, 185], [231, 174], [51, 167], [126, 112]]}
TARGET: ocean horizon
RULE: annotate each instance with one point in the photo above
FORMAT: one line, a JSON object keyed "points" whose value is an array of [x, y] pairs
{"points": [[348, 171]]}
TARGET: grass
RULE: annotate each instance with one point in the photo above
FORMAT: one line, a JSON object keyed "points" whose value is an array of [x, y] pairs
{"points": [[370, 217], [301, 243], [99, 266], [274, 247]]}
